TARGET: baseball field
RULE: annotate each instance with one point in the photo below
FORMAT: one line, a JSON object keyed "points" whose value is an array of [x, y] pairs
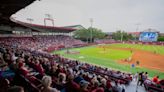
{"points": [[125, 57]]}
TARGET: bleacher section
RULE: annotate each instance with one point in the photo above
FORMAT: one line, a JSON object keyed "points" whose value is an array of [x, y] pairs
{"points": [[26, 67]]}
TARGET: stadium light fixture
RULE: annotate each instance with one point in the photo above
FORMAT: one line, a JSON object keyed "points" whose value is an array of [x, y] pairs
{"points": [[30, 20]]}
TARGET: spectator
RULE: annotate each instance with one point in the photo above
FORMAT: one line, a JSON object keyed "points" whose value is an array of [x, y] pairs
{"points": [[135, 77], [72, 86], [145, 76], [4, 84], [39, 67], [95, 84], [155, 79], [117, 87], [83, 86], [161, 82], [79, 78], [108, 86], [98, 90], [46, 80], [2, 62], [61, 81], [140, 80], [15, 89]]}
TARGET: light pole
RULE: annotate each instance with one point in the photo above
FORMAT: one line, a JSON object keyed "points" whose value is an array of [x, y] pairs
{"points": [[121, 36], [137, 30], [30, 21], [91, 21]]}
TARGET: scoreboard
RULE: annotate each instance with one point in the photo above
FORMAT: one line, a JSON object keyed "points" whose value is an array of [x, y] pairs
{"points": [[148, 36]]}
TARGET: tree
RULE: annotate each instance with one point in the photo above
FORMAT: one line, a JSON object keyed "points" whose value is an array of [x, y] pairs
{"points": [[161, 38], [121, 35], [82, 34], [96, 33], [87, 34], [117, 35]]}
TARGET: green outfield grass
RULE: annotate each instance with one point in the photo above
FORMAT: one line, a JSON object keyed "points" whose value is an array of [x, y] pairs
{"points": [[107, 58], [152, 48]]}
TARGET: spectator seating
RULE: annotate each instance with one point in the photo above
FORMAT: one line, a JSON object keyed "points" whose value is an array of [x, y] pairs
{"points": [[27, 63]]}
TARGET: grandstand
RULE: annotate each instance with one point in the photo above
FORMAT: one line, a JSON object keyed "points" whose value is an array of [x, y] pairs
{"points": [[27, 64]]}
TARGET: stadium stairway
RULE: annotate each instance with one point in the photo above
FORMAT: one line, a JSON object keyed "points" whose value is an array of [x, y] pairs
{"points": [[133, 87]]}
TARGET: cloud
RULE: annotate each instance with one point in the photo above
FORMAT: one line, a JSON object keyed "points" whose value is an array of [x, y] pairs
{"points": [[108, 15]]}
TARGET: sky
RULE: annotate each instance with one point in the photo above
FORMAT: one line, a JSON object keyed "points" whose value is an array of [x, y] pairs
{"points": [[107, 15]]}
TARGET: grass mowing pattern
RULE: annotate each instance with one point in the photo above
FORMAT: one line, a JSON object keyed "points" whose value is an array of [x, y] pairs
{"points": [[151, 48], [107, 54], [97, 56]]}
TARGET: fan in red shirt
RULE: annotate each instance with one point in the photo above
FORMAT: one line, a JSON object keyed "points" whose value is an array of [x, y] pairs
{"points": [[155, 79], [39, 67]]}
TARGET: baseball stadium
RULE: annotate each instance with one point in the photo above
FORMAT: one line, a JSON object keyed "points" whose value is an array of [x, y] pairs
{"points": [[51, 58]]}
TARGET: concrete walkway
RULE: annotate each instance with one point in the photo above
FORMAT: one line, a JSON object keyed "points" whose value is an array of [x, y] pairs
{"points": [[132, 87]]}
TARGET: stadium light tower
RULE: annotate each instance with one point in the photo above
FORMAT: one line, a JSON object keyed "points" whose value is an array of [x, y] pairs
{"points": [[48, 17], [137, 28], [91, 21], [122, 36], [30, 20]]}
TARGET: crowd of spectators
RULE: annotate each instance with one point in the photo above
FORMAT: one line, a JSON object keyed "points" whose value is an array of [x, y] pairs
{"points": [[42, 43], [55, 73], [23, 69]]}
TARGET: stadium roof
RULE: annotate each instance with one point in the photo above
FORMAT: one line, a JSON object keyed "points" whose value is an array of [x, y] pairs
{"points": [[76, 27], [9, 7], [134, 33], [43, 28]]}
